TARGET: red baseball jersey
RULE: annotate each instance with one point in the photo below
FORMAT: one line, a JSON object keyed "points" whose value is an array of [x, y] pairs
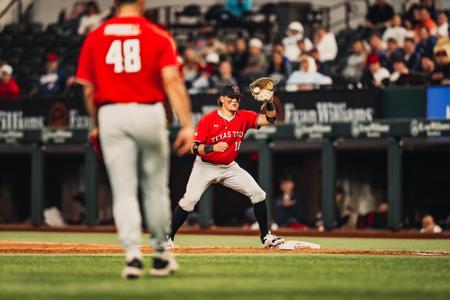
{"points": [[123, 60], [212, 128]]}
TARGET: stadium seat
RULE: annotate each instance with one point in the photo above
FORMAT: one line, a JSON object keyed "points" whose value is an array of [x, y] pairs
{"points": [[34, 28], [5, 41], [13, 29], [45, 40], [214, 12], [55, 29], [74, 41], [35, 52], [22, 41], [34, 62]]}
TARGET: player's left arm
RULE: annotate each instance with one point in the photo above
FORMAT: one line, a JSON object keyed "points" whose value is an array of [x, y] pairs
{"points": [[269, 117]]}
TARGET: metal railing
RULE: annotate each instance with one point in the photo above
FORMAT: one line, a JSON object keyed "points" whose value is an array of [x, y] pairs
{"points": [[10, 6]]}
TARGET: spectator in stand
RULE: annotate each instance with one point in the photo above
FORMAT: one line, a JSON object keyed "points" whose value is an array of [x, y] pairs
{"points": [[9, 89], [413, 15], [411, 57], [356, 62], [376, 44], [393, 53], [443, 43], [427, 67], [395, 31], [426, 22], [379, 14], [306, 78], [378, 74], [191, 66], [93, 18], [212, 44], [429, 225], [280, 68], [289, 208], [400, 75], [429, 5], [71, 22], [52, 79], [223, 78], [426, 42], [294, 33], [441, 74], [442, 31], [257, 62], [202, 83], [240, 57], [325, 42]]}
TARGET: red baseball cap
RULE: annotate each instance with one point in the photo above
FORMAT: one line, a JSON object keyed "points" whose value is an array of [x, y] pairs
{"points": [[51, 57], [373, 59]]}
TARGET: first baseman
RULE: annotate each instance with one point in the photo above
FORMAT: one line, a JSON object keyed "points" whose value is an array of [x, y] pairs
{"points": [[127, 66], [217, 140]]}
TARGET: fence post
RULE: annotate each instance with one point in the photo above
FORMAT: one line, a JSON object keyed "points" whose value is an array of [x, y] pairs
{"points": [[328, 183], [394, 183], [90, 170], [265, 170], [37, 184]]}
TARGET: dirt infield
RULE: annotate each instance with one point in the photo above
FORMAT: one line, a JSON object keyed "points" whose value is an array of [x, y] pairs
{"points": [[7, 247]]}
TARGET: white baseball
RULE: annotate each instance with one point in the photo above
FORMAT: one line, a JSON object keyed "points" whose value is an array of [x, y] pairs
{"points": [[256, 89]]}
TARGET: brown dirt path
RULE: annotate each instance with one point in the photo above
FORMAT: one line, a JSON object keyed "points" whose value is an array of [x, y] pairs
{"points": [[7, 247]]}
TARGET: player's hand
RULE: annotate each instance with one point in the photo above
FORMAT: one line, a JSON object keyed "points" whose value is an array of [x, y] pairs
{"points": [[183, 141], [220, 147]]}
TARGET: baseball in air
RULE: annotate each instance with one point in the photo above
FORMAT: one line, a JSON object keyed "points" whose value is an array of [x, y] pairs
{"points": [[256, 89]]}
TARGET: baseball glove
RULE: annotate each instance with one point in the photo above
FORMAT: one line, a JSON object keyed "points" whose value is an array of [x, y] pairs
{"points": [[262, 88]]}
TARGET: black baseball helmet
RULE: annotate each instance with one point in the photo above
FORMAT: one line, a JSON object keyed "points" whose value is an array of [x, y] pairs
{"points": [[230, 90]]}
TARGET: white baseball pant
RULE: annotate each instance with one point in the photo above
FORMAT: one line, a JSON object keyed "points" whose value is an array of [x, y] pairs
{"points": [[232, 176], [135, 146]]}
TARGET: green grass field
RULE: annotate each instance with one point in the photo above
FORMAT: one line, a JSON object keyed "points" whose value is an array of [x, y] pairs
{"points": [[256, 276]]}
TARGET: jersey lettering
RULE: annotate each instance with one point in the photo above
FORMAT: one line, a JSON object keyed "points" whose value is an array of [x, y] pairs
{"points": [[125, 56]]}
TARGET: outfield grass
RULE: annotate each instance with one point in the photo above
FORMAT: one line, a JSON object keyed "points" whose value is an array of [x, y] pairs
{"points": [[242, 241], [233, 277]]}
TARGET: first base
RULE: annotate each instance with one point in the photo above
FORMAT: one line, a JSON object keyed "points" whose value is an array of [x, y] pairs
{"points": [[293, 245]]}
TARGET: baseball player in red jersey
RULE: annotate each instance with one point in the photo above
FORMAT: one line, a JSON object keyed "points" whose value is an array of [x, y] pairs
{"points": [[127, 66], [217, 141]]}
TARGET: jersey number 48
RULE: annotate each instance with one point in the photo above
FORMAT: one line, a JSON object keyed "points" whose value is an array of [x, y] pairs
{"points": [[125, 56]]}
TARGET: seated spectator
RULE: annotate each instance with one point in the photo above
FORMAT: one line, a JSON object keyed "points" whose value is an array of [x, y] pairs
{"points": [[356, 62], [426, 43], [426, 22], [403, 76], [378, 74], [395, 31], [240, 57], [71, 22], [306, 78], [294, 34], [257, 62], [52, 79], [280, 68], [392, 53], [191, 66], [325, 42], [289, 208], [223, 77], [429, 225], [441, 74], [443, 44], [442, 31], [9, 89], [212, 44], [342, 212], [379, 14], [93, 18], [411, 57], [376, 44]]}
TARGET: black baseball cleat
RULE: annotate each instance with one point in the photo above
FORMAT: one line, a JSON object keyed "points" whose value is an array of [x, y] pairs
{"points": [[164, 264], [133, 269]]}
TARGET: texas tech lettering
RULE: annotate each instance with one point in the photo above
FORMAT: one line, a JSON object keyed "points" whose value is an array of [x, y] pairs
{"points": [[227, 134]]}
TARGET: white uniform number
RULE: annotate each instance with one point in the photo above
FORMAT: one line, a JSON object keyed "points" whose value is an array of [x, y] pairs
{"points": [[125, 56], [237, 145]]}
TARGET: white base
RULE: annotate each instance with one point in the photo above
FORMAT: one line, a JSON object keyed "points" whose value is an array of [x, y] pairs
{"points": [[292, 245]]}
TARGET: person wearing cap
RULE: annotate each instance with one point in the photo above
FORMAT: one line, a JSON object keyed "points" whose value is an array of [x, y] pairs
{"points": [[223, 77], [306, 78], [9, 89], [294, 34], [257, 62], [52, 80], [217, 141], [378, 74]]}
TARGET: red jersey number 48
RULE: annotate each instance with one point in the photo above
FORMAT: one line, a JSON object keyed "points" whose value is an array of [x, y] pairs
{"points": [[125, 56]]}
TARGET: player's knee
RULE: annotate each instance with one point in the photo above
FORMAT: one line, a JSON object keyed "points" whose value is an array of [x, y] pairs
{"points": [[187, 204], [258, 196]]}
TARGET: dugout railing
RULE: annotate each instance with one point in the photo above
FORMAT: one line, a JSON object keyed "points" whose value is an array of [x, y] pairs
{"points": [[37, 142]]}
